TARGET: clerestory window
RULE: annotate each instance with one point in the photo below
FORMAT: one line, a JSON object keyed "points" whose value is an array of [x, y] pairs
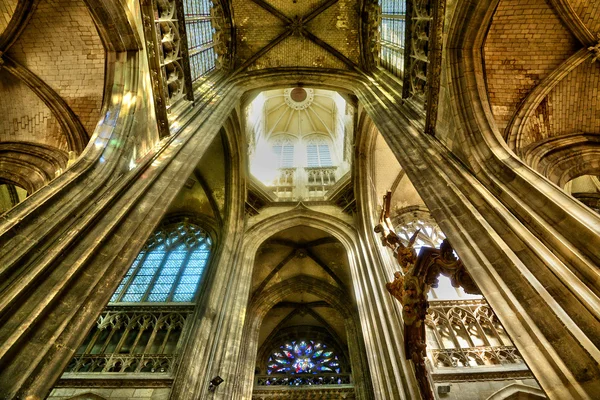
{"points": [[284, 154], [318, 154], [200, 37], [393, 19], [169, 268], [145, 338]]}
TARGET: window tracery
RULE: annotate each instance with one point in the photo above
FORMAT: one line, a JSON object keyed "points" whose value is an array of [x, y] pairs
{"points": [[303, 357], [304, 362], [318, 153], [283, 149], [132, 340], [466, 333], [144, 337], [200, 36], [169, 267], [392, 27], [429, 233]]}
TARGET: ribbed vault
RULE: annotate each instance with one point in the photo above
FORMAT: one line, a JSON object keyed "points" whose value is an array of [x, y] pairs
{"points": [[542, 81]]}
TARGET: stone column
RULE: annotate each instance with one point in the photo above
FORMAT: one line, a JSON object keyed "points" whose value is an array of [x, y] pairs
{"points": [[65, 249], [381, 318], [215, 335], [556, 333]]}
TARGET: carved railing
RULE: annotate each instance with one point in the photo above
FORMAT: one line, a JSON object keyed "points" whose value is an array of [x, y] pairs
{"points": [[303, 380], [284, 184], [135, 363], [319, 180], [467, 333], [309, 182], [474, 357], [133, 339]]}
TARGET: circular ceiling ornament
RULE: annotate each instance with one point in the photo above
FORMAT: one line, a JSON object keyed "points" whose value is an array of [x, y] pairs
{"points": [[299, 98]]}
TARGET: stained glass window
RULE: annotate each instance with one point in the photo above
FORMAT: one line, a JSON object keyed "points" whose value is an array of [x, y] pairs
{"points": [[393, 17], [169, 267], [303, 357], [200, 37]]}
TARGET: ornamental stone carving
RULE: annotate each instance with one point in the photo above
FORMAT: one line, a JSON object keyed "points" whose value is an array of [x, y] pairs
{"points": [[411, 285], [595, 49], [222, 37], [371, 20]]}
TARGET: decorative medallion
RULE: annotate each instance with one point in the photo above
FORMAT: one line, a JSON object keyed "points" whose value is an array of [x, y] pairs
{"points": [[299, 98]]}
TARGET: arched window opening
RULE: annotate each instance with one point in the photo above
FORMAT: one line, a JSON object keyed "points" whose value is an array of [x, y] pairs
{"points": [[305, 362], [297, 141], [586, 189], [283, 149], [169, 267], [318, 154], [429, 235], [10, 196], [393, 19], [200, 37], [165, 276]]}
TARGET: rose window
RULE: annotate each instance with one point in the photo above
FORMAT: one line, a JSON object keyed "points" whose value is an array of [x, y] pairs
{"points": [[303, 357]]}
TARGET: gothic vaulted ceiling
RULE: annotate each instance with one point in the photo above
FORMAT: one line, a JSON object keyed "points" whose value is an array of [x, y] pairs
{"points": [[543, 79], [289, 256], [51, 73], [296, 33]]}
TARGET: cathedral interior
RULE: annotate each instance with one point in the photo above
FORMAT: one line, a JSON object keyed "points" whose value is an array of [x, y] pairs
{"points": [[300, 199]]}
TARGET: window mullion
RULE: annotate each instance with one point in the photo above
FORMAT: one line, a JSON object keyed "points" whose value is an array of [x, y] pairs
{"points": [[179, 274], [157, 273], [132, 276]]}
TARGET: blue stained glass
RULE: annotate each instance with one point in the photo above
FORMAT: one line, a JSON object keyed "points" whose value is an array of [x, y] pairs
{"points": [[305, 357], [159, 271], [181, 297], [137, 289], [395, 7], [160, 297], [189, 279], [392, 30], [133, 297]]}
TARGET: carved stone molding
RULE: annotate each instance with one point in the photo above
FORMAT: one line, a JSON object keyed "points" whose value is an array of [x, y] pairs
{"points": [[118, 380], [481, 376], [423, 55], [223, 37], [371, 21]]}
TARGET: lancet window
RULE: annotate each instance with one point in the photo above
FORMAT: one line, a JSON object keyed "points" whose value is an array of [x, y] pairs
{"points": [[318, 154], [283, 149], [135, 337], [393, 18], [200, 36]]}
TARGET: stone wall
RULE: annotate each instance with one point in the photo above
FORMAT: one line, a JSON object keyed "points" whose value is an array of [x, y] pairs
{"points": [[110, 393], [479, 390]]}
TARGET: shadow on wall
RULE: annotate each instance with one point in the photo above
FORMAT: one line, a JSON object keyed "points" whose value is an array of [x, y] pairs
{"points": [[88, 396], [518, 391]]}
